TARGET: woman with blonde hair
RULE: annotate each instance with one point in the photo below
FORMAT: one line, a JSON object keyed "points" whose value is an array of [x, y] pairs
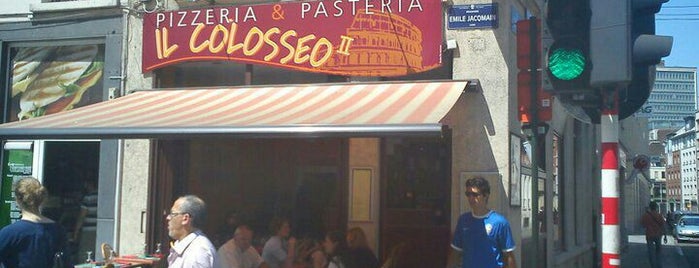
{"points": [[34, 240]]}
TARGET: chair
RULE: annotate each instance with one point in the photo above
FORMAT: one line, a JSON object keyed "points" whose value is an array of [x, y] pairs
{"points": [[108, 252]]}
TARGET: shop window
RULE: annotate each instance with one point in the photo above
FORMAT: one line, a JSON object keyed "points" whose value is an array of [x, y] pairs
{"points": [[416, 174], [71, 178]]}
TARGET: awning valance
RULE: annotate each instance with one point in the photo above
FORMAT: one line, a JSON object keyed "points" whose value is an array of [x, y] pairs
{"points": [[315, 110]]}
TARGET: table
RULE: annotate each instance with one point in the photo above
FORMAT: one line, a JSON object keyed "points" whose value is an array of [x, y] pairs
{"points": [[136, 261], [127, 262]]}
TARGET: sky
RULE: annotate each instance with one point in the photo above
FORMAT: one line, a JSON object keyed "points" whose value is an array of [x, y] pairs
{"points": [[680, 19]]}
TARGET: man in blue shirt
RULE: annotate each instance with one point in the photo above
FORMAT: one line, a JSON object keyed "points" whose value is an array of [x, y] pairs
{"points": [[482, 236]]}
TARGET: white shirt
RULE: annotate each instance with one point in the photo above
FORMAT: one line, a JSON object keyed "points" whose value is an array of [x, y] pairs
{"points": [[193, 251], [230, 256], [335, 263]]}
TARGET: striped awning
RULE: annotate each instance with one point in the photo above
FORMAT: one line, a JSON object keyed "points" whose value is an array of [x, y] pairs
{"points": [[316, 110]]}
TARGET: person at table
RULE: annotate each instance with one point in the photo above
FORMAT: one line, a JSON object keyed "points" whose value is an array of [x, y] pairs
{"points": [[358, 249], [227, 230], [34, 240], [237, 252], [191, 248], [310, 254], [335, 247], [85, 230], [279, 250]]}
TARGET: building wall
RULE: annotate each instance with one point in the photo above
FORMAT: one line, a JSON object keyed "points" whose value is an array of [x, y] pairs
{"points": [[488, 55], [636, 183], [688, 174], [365, 153], [659, 189], [681, 172], [483, 134], [673, 97], [579, 180], [133, 200], [674, 182]]}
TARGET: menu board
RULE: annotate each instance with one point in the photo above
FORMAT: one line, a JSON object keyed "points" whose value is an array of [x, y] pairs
{"points": [[16, 164]]}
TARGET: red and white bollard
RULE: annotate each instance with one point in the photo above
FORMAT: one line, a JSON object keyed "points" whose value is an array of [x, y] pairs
{"points": [[611, 235]]}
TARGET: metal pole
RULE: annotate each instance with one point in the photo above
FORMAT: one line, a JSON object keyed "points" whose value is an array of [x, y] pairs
{"points": [[609, 125], [533, 111]]}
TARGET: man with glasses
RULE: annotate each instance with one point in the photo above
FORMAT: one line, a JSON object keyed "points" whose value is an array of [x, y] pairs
{"points": [[482, 236], [191, 247]]}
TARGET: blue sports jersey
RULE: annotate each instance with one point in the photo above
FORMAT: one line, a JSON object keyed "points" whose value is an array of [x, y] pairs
{"points": [[482, 240]]}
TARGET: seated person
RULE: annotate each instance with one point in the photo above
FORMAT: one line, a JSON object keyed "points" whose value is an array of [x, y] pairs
{"points": [[310, 254], [278, 252], [226, 231], [360, 253], [335, 247], [237, 252]]}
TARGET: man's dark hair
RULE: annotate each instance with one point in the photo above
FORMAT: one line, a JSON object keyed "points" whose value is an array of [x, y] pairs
{"points": [[480, 183], [276, 224], [653, 205]]}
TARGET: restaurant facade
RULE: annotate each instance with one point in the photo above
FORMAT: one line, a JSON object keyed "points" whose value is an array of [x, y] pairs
{"points": [[262, 109]]}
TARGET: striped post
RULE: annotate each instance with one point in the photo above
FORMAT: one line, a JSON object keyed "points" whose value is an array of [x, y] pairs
{"points": [[611, 235]]}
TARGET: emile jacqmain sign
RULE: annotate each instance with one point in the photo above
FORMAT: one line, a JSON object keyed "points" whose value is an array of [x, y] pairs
{"points": [[342, 37]]}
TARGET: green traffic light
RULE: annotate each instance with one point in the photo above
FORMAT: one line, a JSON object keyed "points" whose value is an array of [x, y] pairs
{"points": [[566, 63]]}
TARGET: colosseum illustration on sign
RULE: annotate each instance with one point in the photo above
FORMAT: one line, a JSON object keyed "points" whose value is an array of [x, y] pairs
{"points": [[384, 44]]}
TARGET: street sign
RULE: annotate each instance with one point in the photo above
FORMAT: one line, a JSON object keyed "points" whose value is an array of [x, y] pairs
{"points": [[472, 16], [641, 162]]}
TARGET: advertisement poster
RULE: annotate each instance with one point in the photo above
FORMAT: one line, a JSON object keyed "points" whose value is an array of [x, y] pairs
{"points": [[341, 37], [17, 164], [51, 79]]}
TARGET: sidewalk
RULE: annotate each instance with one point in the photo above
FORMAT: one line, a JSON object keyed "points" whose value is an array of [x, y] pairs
{"points": [[635, 255]]}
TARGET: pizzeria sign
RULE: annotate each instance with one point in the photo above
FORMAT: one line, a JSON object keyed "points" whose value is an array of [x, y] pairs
{"points": [[342, 37]]}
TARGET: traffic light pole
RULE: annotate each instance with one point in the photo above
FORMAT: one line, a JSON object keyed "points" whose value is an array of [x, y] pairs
{"points": [[609, 127], [534, 112]]}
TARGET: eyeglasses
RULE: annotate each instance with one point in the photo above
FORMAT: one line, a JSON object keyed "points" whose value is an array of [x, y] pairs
{"points": [[472, 194], [173, 214]]}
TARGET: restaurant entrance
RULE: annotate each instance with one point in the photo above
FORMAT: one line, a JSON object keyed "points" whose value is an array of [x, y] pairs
{"points": [[415, 201]]}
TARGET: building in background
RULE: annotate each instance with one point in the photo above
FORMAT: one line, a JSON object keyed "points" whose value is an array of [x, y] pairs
{"points": [[657, 170], [681, 148], [673, 97]]}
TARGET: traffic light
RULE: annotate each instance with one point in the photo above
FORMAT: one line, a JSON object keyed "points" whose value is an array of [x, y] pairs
{"points": [[646, 51], [566, 46], [528, 44], [625, 50]]}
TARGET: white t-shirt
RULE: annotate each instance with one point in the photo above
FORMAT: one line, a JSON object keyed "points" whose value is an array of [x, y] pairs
{"points": [[230, 256]]}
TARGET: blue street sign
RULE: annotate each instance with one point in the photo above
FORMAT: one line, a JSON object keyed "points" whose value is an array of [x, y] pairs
{"points": [[473, 16]]}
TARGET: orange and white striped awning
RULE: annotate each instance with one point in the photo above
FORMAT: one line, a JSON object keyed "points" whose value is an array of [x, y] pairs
{"points": [[316, 110]]}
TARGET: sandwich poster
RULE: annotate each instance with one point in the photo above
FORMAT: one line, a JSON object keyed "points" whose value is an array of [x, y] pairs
{"points": [[51, 79], [341, 37]]}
